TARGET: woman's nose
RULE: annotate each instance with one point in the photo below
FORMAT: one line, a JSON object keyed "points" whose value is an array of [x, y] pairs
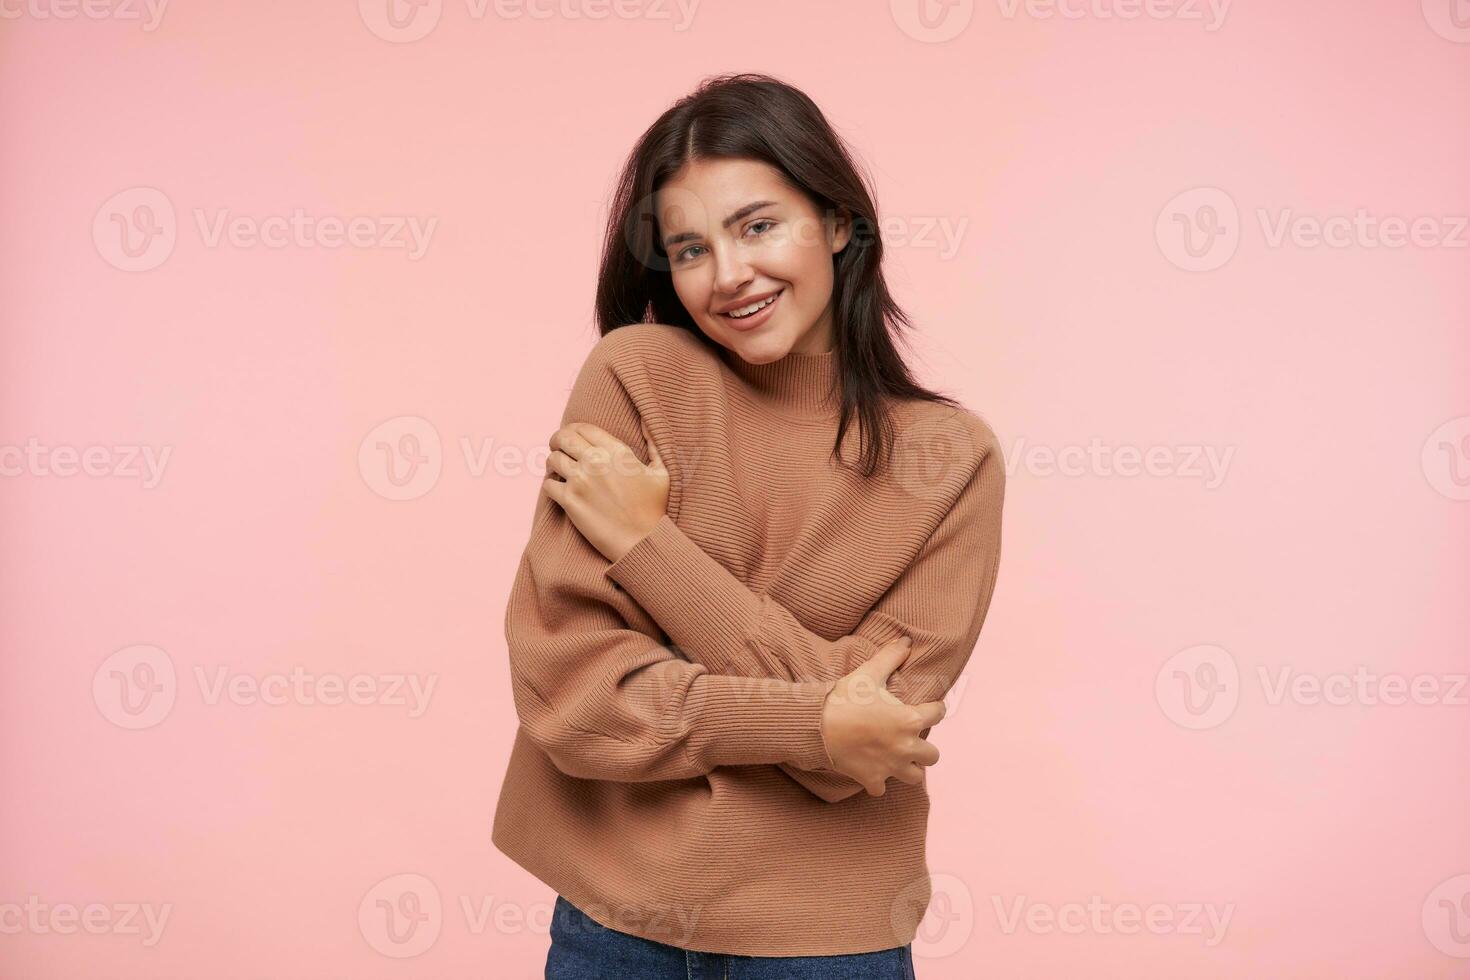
{"points": [[732, 272]]}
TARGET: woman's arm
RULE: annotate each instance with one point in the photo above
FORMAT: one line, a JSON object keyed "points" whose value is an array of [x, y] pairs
{"points": [[940, 601], [592, 683], [732, 629]]}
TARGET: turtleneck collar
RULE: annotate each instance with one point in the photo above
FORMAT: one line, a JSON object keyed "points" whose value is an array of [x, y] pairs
{"points": [[797, 384]]}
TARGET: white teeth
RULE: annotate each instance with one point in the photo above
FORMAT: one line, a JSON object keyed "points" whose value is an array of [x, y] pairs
{"points": [[753, 308]]}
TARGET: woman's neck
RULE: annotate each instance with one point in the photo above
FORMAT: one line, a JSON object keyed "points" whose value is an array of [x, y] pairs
{"points": [[801, 384]]}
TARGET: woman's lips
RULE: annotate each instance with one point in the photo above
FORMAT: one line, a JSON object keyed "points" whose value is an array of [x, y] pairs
{"points": [[757, 318]]}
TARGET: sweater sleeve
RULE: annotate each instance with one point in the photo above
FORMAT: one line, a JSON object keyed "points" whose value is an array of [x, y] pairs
{"points": [[940, 600], [594, 686]]}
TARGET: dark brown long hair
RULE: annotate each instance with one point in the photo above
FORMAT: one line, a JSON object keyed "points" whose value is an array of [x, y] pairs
{"points": [[758, 117]]}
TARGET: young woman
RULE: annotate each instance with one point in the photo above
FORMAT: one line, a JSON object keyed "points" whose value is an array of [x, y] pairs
{"points": [[761, 556]]}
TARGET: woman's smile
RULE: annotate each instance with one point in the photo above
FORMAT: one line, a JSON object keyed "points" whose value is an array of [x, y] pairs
{"points": [[751, 319]]}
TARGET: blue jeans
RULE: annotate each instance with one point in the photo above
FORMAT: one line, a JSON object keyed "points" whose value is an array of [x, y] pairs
{"points": [[584, 949]]}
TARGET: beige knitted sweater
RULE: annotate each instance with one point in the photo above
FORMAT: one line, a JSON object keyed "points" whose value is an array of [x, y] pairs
{"points": [[669, 776]]}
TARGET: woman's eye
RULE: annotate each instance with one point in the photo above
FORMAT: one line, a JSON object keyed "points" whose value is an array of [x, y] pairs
{"points": [[758, 227]]}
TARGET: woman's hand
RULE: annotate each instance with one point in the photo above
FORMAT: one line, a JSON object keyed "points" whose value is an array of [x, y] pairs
{"points": [[609, 494], [869, 733]]}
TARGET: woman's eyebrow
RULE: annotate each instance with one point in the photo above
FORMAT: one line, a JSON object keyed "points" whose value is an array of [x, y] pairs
{"points": [[735, 216]]}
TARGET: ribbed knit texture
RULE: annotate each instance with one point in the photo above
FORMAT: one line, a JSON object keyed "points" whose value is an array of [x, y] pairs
{"points": [[669, 775]]}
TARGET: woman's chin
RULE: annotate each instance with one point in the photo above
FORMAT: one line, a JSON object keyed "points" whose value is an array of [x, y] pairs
{"points": [[759, 349]]}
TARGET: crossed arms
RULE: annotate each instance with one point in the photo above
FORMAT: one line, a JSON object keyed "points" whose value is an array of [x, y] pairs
{"points": [[600, 693]]}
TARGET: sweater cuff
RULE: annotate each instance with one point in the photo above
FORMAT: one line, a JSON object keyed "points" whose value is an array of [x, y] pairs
{"points": [[749, 720], [696, 600]]}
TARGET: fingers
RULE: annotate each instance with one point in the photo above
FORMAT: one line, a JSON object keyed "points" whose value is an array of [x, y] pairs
{"points": [[889, 656], [561, 464], [930, 713], [577, 439], [594, 446], [911, 774], [926, 753], [570, 441], [595, 435]]}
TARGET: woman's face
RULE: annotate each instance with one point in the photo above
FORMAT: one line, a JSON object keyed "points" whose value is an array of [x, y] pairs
{"points": [[736, 234]]}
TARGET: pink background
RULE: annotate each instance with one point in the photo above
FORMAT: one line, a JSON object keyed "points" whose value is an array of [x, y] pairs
{"points": [[1333, 835]]}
